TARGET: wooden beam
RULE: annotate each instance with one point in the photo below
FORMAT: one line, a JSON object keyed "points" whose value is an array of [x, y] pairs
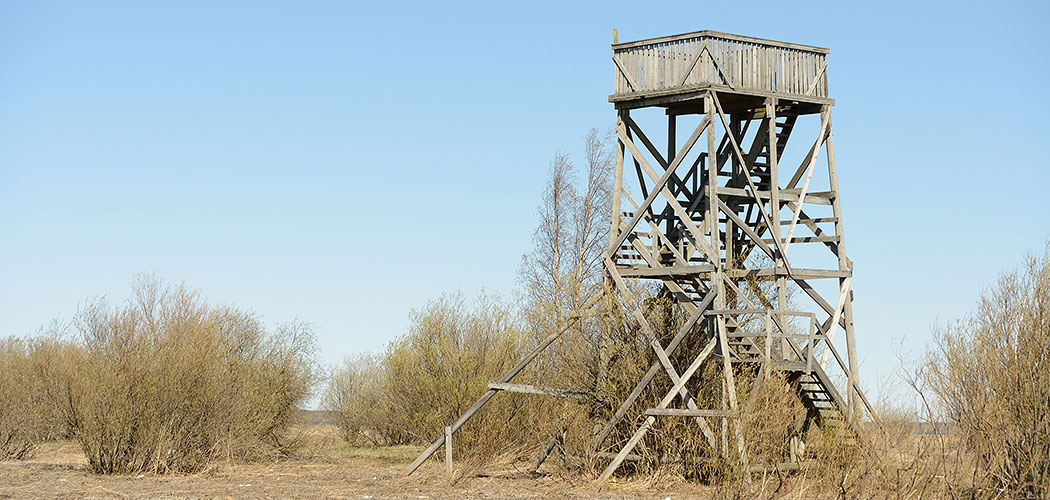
{"points": [[654, 369], [448, 449], [747, 176], [661, 271], [825, 118], [626, 74], [661, 188], [844, 292], [506, 378], [531, 389], [670, 396], [674, 412]]}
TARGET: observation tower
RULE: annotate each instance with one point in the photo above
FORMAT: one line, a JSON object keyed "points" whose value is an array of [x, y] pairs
{"points": [[727, 199]]}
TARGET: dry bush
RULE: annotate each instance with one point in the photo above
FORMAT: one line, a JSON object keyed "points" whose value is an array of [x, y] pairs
{"points": [[26, 415], [357, 400], [980, 429], [428, 377], [989, 374], [771, 413], [445, 362], [169, 383]]}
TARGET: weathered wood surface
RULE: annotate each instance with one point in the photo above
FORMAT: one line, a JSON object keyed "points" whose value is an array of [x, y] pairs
{"points": [[703, 233], [448, 450], [709, 59], [542, 391]]}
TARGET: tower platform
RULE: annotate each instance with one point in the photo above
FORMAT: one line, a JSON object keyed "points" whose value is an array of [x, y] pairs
{"points": [[676, 72]]}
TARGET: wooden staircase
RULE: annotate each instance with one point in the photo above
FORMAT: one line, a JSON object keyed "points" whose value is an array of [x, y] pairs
{"points": [[814, 387]]}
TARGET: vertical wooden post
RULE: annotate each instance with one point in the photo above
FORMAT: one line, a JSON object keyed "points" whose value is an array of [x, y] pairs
{"points": [[672, 124], [774, 209], [672, 136], [812, 340], [448, 449], [712, 205], [853, 397], [769, 341], [614, 227]]}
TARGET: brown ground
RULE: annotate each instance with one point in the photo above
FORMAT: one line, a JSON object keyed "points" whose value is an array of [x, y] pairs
{"points": [[327, 468]]}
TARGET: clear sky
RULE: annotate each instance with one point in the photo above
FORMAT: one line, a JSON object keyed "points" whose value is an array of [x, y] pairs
{"points": [[345, 162]]}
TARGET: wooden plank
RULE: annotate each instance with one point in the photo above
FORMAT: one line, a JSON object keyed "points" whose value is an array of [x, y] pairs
{"points": [[844, 291], [688, 93], [448, 449], [773, 146], [661, 183], [506, 378], [626, 74], [818, 220], [542, 391], [545, 451], [811, 343], [825, 118], [737, 311], [847, 310], [803, 273], [768, 344], [675, 412], [709, 34], [807, 239], [816, 79], [746, 228], [617, 192], [670, 396], [747, 176], [662, 271], [786, 195], [654, 368]]}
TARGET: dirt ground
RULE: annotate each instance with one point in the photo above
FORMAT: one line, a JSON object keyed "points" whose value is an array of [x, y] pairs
{"points": [[325, 468]]}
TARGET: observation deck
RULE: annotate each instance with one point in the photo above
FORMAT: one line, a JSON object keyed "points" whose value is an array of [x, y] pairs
{"points": [[674, 71]]}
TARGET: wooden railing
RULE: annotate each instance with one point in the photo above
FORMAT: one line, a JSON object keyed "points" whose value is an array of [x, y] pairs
{"points": [[704, 58]]}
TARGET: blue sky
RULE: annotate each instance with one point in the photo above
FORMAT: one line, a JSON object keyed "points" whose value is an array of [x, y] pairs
{"points": [[342, 163]]}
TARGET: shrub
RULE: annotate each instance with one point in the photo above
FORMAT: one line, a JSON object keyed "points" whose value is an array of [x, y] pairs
{"points": [[26, 417], [446, 360], [356, 399], [989, 372], [428, 377], [168, 383]]}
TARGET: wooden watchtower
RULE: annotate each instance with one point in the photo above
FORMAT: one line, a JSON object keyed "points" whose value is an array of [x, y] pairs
{"points": [[739, 228]]}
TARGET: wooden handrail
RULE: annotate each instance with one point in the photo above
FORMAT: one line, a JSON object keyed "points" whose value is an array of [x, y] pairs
{"points": [[735, 63], [719, 34]]}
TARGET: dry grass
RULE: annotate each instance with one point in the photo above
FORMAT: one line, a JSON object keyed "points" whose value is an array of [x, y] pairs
{"points": [[331, 469]]}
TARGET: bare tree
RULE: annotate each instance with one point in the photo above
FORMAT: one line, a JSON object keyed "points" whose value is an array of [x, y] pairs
{"points": [[564, 266]]}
